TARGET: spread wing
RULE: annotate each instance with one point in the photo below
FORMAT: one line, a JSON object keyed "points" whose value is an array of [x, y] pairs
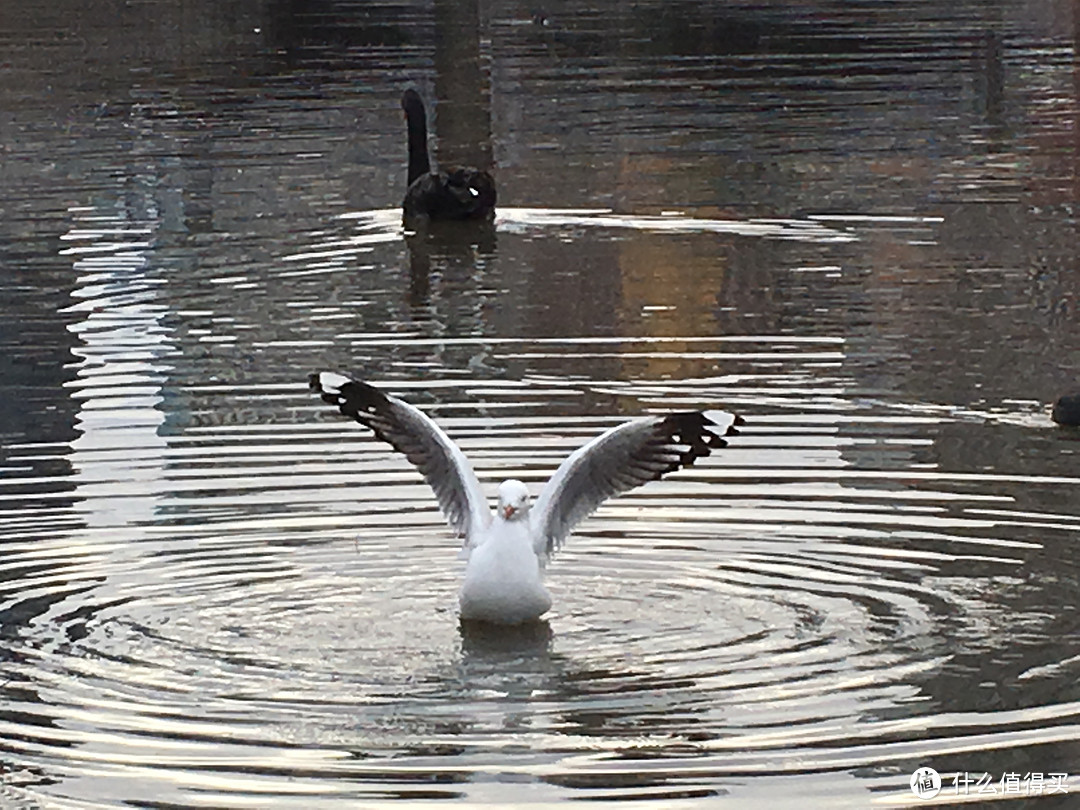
{"points": [[410, 431], [619, 460]]}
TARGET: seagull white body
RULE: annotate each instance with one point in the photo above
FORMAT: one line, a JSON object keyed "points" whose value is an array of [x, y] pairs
{"points": [[507, 550], [504, 575]]}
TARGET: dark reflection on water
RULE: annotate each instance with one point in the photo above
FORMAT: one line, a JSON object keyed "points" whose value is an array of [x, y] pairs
{"points": [[481, 642], [853, 224], [451, 251]]}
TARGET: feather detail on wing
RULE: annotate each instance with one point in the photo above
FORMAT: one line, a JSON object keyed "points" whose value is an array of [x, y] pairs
{"points": [[410, 431], [619, 460]]}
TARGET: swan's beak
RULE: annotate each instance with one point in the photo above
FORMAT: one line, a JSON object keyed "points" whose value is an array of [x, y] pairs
{"points": [[508, 511]]}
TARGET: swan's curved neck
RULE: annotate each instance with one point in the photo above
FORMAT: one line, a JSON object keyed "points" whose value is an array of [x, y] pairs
{"points": [[418, 153]]}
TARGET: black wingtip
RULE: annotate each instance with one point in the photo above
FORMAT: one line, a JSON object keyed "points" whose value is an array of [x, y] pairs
{"points": [[715, 419], [353, 398], [315, 382], [699, 432]]}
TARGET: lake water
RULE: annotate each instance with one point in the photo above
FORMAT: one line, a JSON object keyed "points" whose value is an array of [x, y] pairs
{"points": [[854, 224]]}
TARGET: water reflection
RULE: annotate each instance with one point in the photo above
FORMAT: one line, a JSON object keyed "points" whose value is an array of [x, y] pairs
{"points": [[461, 85], [453, 250], [122, 370]]}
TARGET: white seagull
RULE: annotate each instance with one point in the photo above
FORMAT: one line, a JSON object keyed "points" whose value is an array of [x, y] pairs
{"points": [[508, 549]]}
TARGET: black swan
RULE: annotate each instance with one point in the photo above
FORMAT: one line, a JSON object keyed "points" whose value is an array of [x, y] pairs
{"points": [[455, 194], [1067, 410]]}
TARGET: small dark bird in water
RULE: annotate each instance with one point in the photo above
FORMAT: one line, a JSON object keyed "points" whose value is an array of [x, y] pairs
{"points": [[459, 193], [1067, 410]]}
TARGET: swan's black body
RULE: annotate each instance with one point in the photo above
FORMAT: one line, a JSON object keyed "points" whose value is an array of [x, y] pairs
{"points": [[455, 194]]}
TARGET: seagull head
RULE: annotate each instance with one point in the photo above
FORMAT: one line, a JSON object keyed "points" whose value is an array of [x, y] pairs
{"points": [[513, 500]]}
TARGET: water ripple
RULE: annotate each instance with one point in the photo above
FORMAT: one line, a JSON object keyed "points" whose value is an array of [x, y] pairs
{"points": [[252, 626]]}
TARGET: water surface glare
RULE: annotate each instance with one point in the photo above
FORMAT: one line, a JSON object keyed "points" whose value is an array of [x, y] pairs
{"points": [[854, 226]]}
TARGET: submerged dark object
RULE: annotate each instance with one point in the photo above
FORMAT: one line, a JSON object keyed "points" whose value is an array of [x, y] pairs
{"points": [[1067, 410], [459, 193]]}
